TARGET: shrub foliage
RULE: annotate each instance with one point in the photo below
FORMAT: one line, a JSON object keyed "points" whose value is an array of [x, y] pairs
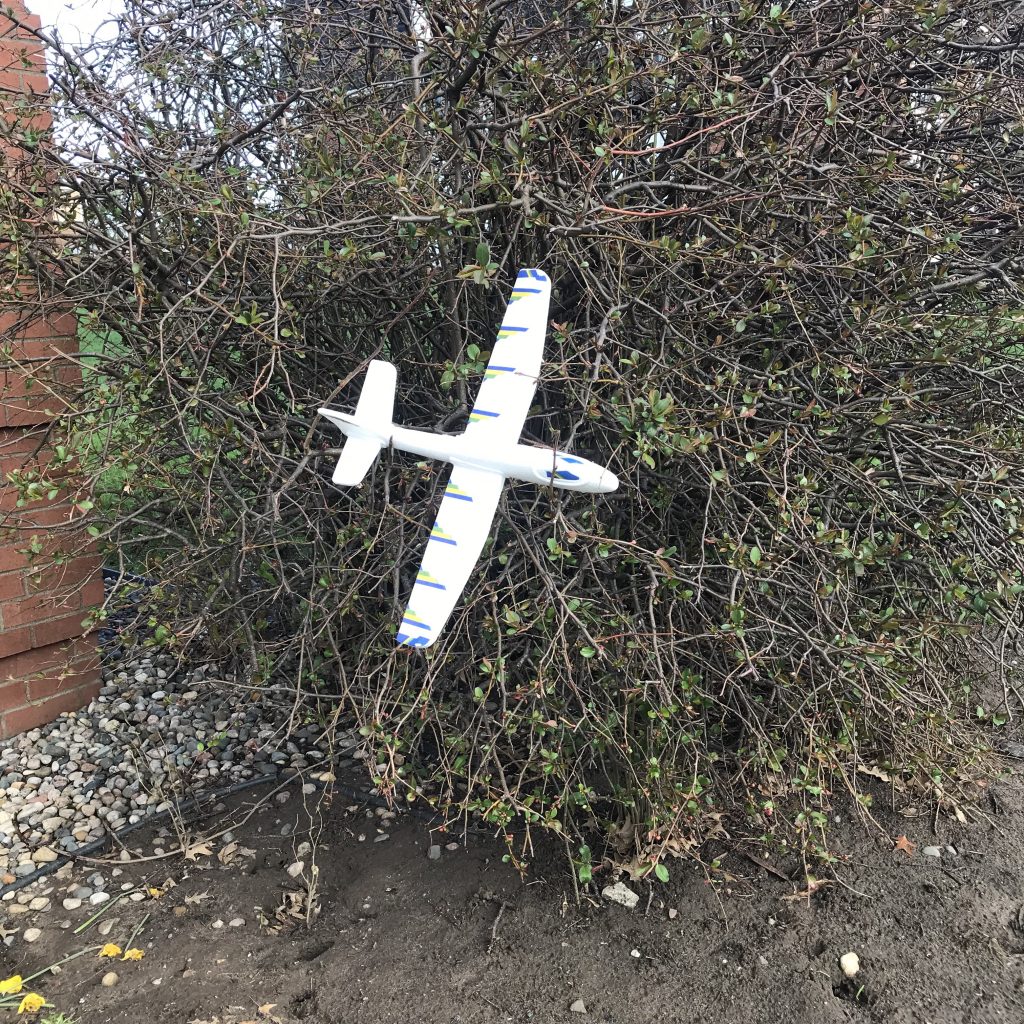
{"points": [[786, 246]]}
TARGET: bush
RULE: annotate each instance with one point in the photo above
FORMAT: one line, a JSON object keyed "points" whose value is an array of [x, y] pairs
{"points": [[786, 249]]}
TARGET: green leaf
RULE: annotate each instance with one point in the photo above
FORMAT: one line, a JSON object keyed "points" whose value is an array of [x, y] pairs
{"points": [[755, 555], [483, 254], [662, 872], [585, 869], [587, 652]]}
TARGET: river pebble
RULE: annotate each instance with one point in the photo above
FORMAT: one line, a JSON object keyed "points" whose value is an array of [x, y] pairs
{"points": [[154, 727]]}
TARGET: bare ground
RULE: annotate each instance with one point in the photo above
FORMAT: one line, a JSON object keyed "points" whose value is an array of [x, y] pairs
{"points": [[404, 938]]}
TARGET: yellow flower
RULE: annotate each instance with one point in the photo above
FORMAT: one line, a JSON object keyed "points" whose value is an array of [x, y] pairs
{"points": [[134, 954], [110, 949], [10, 986], [31, 1003], [154, 892]]}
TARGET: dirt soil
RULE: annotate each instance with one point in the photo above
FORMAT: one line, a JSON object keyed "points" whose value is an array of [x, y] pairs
{"points": [[404, 938]]}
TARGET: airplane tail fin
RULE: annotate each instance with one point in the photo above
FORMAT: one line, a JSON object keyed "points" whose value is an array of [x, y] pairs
{"points": [[369, 430]]}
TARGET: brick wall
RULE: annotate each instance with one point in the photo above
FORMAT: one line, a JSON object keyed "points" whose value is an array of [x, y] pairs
{"points": [[48, 576]]}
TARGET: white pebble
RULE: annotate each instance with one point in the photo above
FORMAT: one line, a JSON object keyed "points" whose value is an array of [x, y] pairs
{"points": [[109, 980], [31, 934], [850, 964], [621, 894]]}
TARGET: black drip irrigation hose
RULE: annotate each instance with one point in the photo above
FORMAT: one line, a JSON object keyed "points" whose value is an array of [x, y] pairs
{"points": [[115, 576], [98, 845]]}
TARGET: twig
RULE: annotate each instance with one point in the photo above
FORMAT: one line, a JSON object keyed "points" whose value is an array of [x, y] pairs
{"points": [[494, 927], [138, 928], [106, 906]]}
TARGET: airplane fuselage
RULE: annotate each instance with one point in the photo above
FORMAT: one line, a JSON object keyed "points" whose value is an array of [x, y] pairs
{"points": [[544, 466]]}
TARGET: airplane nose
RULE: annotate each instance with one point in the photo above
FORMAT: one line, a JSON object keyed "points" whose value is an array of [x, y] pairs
{"points": [[609, 482]]}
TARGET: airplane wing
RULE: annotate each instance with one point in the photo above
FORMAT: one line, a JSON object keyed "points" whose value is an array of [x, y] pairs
{"points": [[456, 540], [505, 395]]}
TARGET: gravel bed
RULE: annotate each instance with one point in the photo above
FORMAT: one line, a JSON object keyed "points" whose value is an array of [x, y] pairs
{"points": [[154, 734]]}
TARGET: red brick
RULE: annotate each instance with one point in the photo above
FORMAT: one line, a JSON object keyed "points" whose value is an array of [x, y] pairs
{"points": [[92, 593], [72, 573], [35, 608], [11, 416], [24, 462], [12, 585], [76, 654], [12, 694], [31, 382], [14, 641], [24, 47], [33, 715], [56, 325], [50, 684], [57, 514], [9, 498], [11, 556], [13, 547], [57, 629], [27, 448], [20, 442], [51, 667]]}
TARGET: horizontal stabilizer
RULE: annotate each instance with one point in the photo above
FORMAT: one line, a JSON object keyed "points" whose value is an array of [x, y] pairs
{"points": [[369, 430], [356, 459]]}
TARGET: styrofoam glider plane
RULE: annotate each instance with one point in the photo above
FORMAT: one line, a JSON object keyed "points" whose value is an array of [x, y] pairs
{"points": [[486, 454]]}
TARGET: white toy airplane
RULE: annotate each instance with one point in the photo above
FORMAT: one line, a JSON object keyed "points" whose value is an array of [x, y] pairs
{"points": [[483, 457]]}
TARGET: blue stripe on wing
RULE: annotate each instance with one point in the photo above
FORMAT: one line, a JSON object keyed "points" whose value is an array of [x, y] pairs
{"points": [[454, 492], [409, 619], [439, 535], [427, 580], [411, 641]]}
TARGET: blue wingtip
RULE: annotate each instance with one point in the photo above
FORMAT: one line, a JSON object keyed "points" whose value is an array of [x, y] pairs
{"points": [[532, 272], [405, 639]]}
